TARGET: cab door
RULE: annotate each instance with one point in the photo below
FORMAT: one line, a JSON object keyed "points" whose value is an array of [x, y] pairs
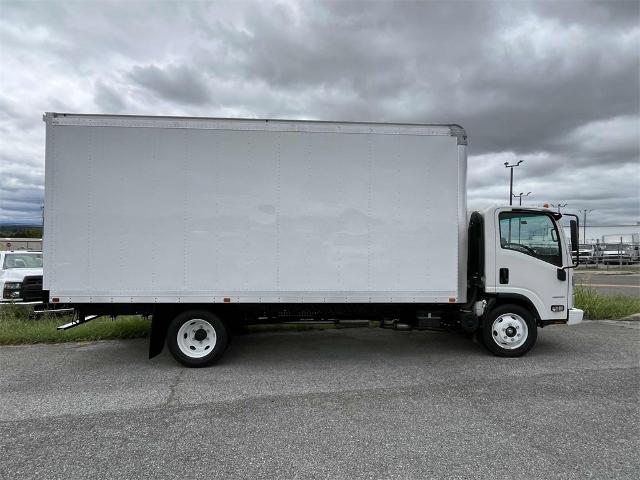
{"points": [[530, 252]]}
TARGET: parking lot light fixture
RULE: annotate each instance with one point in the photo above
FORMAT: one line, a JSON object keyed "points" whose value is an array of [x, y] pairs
{"points": [[559, 206], [511, 167], [522, 195], [584, 223]]}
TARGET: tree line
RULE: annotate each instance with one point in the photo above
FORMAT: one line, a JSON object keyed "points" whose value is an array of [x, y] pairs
{"points": [[19, 231]]}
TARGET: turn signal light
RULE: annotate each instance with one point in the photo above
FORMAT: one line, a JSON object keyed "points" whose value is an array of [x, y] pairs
{"points": [[557, 308]]}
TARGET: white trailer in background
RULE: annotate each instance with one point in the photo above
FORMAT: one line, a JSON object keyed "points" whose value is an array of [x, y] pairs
{"points": [[203, 222]]}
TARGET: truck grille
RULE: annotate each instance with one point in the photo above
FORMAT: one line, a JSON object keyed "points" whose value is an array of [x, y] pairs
{"points": [[31, 289]]}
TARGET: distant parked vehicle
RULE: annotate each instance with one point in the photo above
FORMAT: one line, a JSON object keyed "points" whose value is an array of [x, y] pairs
{"points": [[587, 254], [616, 253], [21, 276]]}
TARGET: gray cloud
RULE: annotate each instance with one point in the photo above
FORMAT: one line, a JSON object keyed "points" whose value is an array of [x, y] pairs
{"points": [[108, 98], [176, 83], [553, 83]]}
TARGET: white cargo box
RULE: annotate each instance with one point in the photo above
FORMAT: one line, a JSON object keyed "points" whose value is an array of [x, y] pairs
{"points": [[161, 209]]}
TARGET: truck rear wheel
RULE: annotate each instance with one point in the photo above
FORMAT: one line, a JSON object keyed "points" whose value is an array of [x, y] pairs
{"points": [[509, 331], [197, 338]]}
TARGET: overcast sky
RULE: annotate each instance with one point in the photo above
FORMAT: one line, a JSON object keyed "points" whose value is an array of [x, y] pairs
{"points": [[555, 84]]}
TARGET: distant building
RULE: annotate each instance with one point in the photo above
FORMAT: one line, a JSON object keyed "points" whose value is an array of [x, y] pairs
{"points": [[31, 244]]}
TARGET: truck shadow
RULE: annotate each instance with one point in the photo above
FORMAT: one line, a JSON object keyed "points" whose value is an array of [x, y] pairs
{"points": [[348, 345], [341, 347]]}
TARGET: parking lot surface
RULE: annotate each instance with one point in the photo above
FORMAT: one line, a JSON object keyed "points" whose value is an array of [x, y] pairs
{"points": [[349, 403], [610, 283]]}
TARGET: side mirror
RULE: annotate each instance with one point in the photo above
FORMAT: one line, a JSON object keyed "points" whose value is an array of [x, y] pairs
{"points": [[575, 244]]}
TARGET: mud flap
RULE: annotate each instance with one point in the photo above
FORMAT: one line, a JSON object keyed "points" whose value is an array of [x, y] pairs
{"points": [[159, 326]]}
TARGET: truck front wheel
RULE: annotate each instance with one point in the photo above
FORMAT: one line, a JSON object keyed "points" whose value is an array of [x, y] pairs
{"points": [[509, 331], [197, 338]]}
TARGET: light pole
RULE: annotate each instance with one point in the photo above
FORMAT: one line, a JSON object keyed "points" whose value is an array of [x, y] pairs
{"points": [[559, 206], [522, 195], [506, 165], [584, 223]]}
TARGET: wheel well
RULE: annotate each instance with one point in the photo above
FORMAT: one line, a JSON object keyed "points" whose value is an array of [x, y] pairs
{"points": [[161, 318], [520, 300]]}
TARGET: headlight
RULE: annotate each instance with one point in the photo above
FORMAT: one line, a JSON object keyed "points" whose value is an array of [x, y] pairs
{"points": [[11, 290]]}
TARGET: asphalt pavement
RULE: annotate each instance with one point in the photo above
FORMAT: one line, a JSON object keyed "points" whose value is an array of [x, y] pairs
{"points": [[610, 283], [350, 403]]}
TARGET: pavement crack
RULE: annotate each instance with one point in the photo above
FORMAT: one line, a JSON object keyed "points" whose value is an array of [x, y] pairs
{"points": [[172, 399]]}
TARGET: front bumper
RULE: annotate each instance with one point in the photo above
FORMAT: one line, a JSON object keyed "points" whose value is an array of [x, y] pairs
{"points": [[575, 316]]}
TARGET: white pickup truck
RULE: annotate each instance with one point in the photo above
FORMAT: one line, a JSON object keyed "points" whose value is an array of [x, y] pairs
{"points": [[21, 276]]}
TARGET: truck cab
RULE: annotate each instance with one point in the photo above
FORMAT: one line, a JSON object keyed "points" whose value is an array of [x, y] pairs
{"points": [[523, 275], [21, 276]]}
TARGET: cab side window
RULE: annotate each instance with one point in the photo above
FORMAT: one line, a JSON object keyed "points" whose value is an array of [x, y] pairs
{"points": [[532, 234]]}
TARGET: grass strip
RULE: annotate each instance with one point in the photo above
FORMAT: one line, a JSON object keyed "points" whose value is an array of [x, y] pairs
{"points": [[598, 306], [17, 328]]}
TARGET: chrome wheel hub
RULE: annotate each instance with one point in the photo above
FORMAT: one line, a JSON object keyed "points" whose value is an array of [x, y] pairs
{"points": [[196, 338], [509, 331]]}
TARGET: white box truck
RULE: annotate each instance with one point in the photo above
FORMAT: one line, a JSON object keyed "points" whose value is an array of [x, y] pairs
{"points": [[204, 223]]}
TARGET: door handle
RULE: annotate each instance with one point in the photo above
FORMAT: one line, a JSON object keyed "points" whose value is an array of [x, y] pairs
{"points": [[504, 276]]}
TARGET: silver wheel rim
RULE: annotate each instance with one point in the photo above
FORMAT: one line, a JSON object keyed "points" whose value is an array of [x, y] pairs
{"points": [[197, 338], [509, 331]]}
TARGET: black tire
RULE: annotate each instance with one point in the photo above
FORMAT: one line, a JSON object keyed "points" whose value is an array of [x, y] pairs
{"points": [[497, 340], [199, 344]]}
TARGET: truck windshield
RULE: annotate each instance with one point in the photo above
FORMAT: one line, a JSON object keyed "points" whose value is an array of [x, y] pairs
{"points": [[531, 233], [22, 260]]}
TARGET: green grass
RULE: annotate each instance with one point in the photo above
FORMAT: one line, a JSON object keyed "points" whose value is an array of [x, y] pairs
{"points": [[598, 306], [17, 328]]}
